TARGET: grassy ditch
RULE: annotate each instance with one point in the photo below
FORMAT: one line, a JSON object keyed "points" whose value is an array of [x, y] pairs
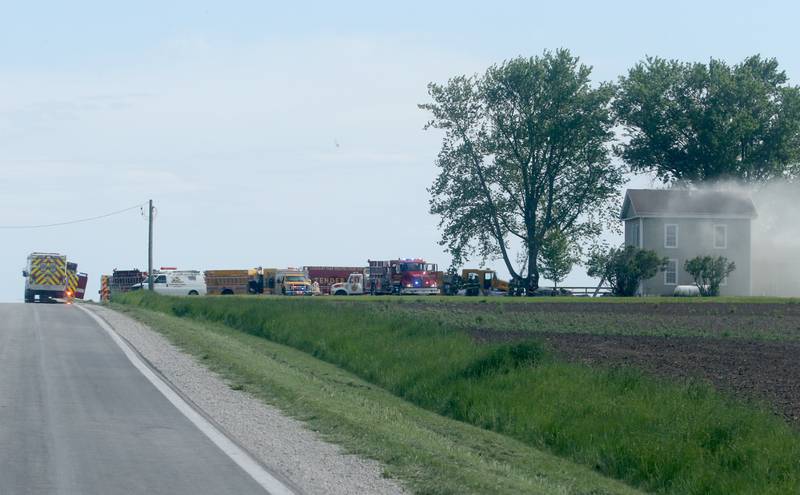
{"points": [[657, 436]]}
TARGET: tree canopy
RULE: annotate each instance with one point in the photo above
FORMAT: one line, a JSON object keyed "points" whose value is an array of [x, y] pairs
{"points": [[692, 122], [526, 150]]}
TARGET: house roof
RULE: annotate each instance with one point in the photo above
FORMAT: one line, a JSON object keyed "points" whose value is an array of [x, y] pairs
{"points": [[686, 203]]}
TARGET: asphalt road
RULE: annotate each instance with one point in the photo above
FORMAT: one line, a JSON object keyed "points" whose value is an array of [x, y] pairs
{"points": [[76, 417]]}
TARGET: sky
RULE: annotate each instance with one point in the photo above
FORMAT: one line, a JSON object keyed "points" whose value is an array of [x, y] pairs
{"points": [[272, 134]]}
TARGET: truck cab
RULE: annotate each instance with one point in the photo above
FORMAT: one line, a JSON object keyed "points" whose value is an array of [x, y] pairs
{"points": [[403, 276], [292, 282], [417, 277], [355, 285]]}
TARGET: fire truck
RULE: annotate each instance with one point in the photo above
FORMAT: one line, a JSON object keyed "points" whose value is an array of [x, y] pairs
{"points": [[45, 277], [76, 283], [50, 276], [402, 276]]}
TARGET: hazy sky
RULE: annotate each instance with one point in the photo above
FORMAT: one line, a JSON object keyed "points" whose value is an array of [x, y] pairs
{"points": [[228, 115]]}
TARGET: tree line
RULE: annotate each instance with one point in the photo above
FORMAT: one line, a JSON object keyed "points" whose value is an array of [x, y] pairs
{"points": [[527, 154]]}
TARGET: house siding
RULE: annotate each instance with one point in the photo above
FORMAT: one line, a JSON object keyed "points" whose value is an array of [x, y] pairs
{"points": [[695, 238], [631, 231]]}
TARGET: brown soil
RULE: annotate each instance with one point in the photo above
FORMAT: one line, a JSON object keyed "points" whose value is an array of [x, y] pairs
{"points": [[653, 308], [749, 369]]}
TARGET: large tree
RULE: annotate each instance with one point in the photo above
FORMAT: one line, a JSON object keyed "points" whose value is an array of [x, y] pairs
{"points": [[525, 151], [692, 122]]}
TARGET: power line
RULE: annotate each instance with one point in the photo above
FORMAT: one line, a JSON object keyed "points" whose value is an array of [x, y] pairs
{"points": [[89, 219]]}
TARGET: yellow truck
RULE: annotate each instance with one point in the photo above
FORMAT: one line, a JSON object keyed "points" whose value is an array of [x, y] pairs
{"points": [[45, 277], [478, 281], [292, 282], [244, 281], [257, 281]]}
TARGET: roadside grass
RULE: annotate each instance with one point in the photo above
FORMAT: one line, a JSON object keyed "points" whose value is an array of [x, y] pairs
{"points": [[660, 437], [429, 453]]}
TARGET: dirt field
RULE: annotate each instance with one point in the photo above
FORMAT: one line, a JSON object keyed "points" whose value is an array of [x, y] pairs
{"points": [[747, 349], [765, 370], [762, 368], [755, 321]]}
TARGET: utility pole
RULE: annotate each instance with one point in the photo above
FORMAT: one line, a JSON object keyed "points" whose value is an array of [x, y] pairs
{"points": [[150, 247]]}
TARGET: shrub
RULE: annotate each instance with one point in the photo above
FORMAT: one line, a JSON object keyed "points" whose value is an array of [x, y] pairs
{"points": [[708, 272], [624, 268]]}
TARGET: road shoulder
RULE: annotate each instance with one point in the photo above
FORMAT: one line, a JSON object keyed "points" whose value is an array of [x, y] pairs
{"points": [[279, 442]]}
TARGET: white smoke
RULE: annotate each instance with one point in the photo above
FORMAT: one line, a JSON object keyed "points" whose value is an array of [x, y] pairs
{"points": [[775, 235], [776, 240]]}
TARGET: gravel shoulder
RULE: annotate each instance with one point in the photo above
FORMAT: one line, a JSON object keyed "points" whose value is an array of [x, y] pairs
{"points": [[281, 443]]}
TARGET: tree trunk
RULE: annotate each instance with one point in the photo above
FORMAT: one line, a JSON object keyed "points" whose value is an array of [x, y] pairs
{"points": [[597, 289], [533, 270]]}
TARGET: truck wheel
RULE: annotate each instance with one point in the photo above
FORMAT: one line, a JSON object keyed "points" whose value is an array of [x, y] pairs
{"points": [[29, 297], [227, 292], [340, 293], [194, 293]]}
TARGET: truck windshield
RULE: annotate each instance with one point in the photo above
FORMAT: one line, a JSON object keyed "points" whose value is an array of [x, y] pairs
{"points": [[412, 267], [295, 278]]}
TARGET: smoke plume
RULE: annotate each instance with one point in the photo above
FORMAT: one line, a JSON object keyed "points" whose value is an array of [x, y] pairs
{"points": [[776, 240]]}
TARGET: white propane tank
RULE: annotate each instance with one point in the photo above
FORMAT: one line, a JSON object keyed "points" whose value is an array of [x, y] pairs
{"points": [[686, 291]]}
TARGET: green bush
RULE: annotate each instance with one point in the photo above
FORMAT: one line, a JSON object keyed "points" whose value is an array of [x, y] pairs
{"points": [[662, 437], [624, 268], [708, 272]]}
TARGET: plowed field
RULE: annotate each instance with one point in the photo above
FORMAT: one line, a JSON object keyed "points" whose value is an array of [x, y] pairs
{"points": [[750, 350]]}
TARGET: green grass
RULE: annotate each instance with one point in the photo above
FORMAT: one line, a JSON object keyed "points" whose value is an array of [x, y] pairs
{"points": [[660, 437], [429, 453]]}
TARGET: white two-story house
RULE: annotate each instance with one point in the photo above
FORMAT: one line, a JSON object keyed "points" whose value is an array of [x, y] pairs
{"points": [[680, 224]]}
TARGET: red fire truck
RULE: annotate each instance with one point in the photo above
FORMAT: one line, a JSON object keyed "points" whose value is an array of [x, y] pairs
{"points": [[403, 276]]}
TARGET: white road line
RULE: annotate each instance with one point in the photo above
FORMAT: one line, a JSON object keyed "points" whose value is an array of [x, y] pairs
{"points": [[271, 484]]}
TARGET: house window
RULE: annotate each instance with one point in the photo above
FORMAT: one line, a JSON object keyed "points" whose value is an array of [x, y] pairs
{"points": [[720, 236], [670, 235], [671, 273]]}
